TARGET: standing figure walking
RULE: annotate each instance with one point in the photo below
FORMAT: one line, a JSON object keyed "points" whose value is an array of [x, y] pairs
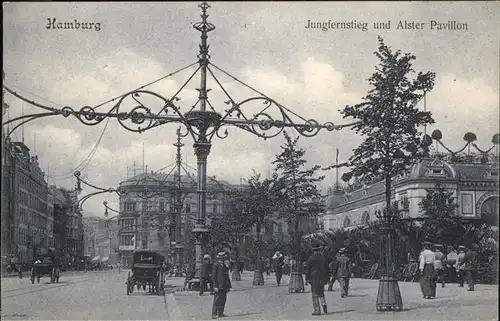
{"points": [[317, 276], [221, 284], [426, 266], [280, 261], [461, 266], [439, 264], [333, 266], [470, 268], [205, 275], [344, 272]]}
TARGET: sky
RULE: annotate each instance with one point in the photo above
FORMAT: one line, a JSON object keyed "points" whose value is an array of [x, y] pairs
{"points": [[266, 45]]}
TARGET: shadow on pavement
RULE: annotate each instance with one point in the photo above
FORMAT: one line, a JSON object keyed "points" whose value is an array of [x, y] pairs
{"points": [[244, 314], [343, 311], [356, 295]]}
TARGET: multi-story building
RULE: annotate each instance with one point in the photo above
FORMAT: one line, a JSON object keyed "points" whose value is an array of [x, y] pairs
{"points": [[148, 204], [28, 220], [473, 180], [90, 229], [68, 226], [101, 239]]}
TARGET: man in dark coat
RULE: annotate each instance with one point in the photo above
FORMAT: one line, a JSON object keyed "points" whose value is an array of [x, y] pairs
{"points": [[317, 276], [221, 284], [206, 275], [343, 272], [333, 272]]}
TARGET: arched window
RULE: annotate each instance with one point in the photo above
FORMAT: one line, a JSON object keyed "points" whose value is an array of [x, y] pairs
{"points": [[347, 221], [365, 219]]}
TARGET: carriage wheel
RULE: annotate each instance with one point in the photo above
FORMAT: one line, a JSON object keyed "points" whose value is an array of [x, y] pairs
{"points": [[32, 276]]}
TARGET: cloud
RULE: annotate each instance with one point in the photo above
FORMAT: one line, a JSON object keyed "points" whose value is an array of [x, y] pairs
{"points": [[461, 105], [311, 72]]}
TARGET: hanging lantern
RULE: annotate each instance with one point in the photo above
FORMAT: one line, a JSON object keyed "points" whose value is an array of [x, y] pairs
{"points": [[496, 139], [437, 135], [470, 137]]}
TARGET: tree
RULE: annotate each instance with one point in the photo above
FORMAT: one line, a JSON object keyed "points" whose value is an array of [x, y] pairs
{"points": [[440, 222], [300, 198], [389, 120], [230, 223], [258, 205]]}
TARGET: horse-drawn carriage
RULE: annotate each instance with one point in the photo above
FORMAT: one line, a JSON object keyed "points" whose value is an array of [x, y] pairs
{"points": [[147, 271], [46, 264]]}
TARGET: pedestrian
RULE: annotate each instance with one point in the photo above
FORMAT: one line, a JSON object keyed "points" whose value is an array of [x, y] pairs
{"points": [[221, 284], [286, 265], [205, 275], [268, 266], [426, 266], [343, 272], [241, 265], [333, 272], [317, 276], [439, 264], [279, 262], [470, 267], [304, 269], [461, 266]]}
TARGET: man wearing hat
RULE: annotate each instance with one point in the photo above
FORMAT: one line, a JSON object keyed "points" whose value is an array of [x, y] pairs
{"points": [[343, 272], [461, 265], [427, 272], [470, 267], [205, 275], [317, 276], [221, 284], [439, 263]]}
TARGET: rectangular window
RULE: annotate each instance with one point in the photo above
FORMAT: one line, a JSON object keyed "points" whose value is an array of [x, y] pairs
{"points": [[467, 204], [214, 208], [188, 208], [161, 207], [280, 227], [129, 207]]}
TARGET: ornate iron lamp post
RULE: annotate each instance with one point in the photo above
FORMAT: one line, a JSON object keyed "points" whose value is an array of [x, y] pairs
{"points": [[389, 296], [201, 124]]}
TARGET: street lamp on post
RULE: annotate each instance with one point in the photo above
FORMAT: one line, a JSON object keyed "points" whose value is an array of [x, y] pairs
{"points": [[202, 124]]}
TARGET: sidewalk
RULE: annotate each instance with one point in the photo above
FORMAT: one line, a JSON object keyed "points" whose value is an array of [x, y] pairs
{"points": [[270, 302]]}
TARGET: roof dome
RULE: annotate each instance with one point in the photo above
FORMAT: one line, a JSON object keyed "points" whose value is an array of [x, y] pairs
{"points": [[334, 201], [433, 168]]}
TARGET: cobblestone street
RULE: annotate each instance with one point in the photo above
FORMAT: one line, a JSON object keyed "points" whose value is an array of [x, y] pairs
{"points": [[270, 302]]}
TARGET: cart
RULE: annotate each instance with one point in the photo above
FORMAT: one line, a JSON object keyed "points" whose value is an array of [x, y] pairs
{"points": [[147, 271], [45, 264]]}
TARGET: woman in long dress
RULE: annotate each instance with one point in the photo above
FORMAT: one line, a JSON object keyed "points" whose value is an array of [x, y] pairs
{"points": [[427, 273]]}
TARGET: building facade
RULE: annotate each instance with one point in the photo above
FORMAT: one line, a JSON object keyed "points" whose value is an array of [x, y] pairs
{"points": [[101, 239], [27, 220], [474, 183], [157, 212], [68, 226]]}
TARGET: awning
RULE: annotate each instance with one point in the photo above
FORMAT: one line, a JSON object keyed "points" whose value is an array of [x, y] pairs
{"points": [[105, 259], [97, 258]]}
